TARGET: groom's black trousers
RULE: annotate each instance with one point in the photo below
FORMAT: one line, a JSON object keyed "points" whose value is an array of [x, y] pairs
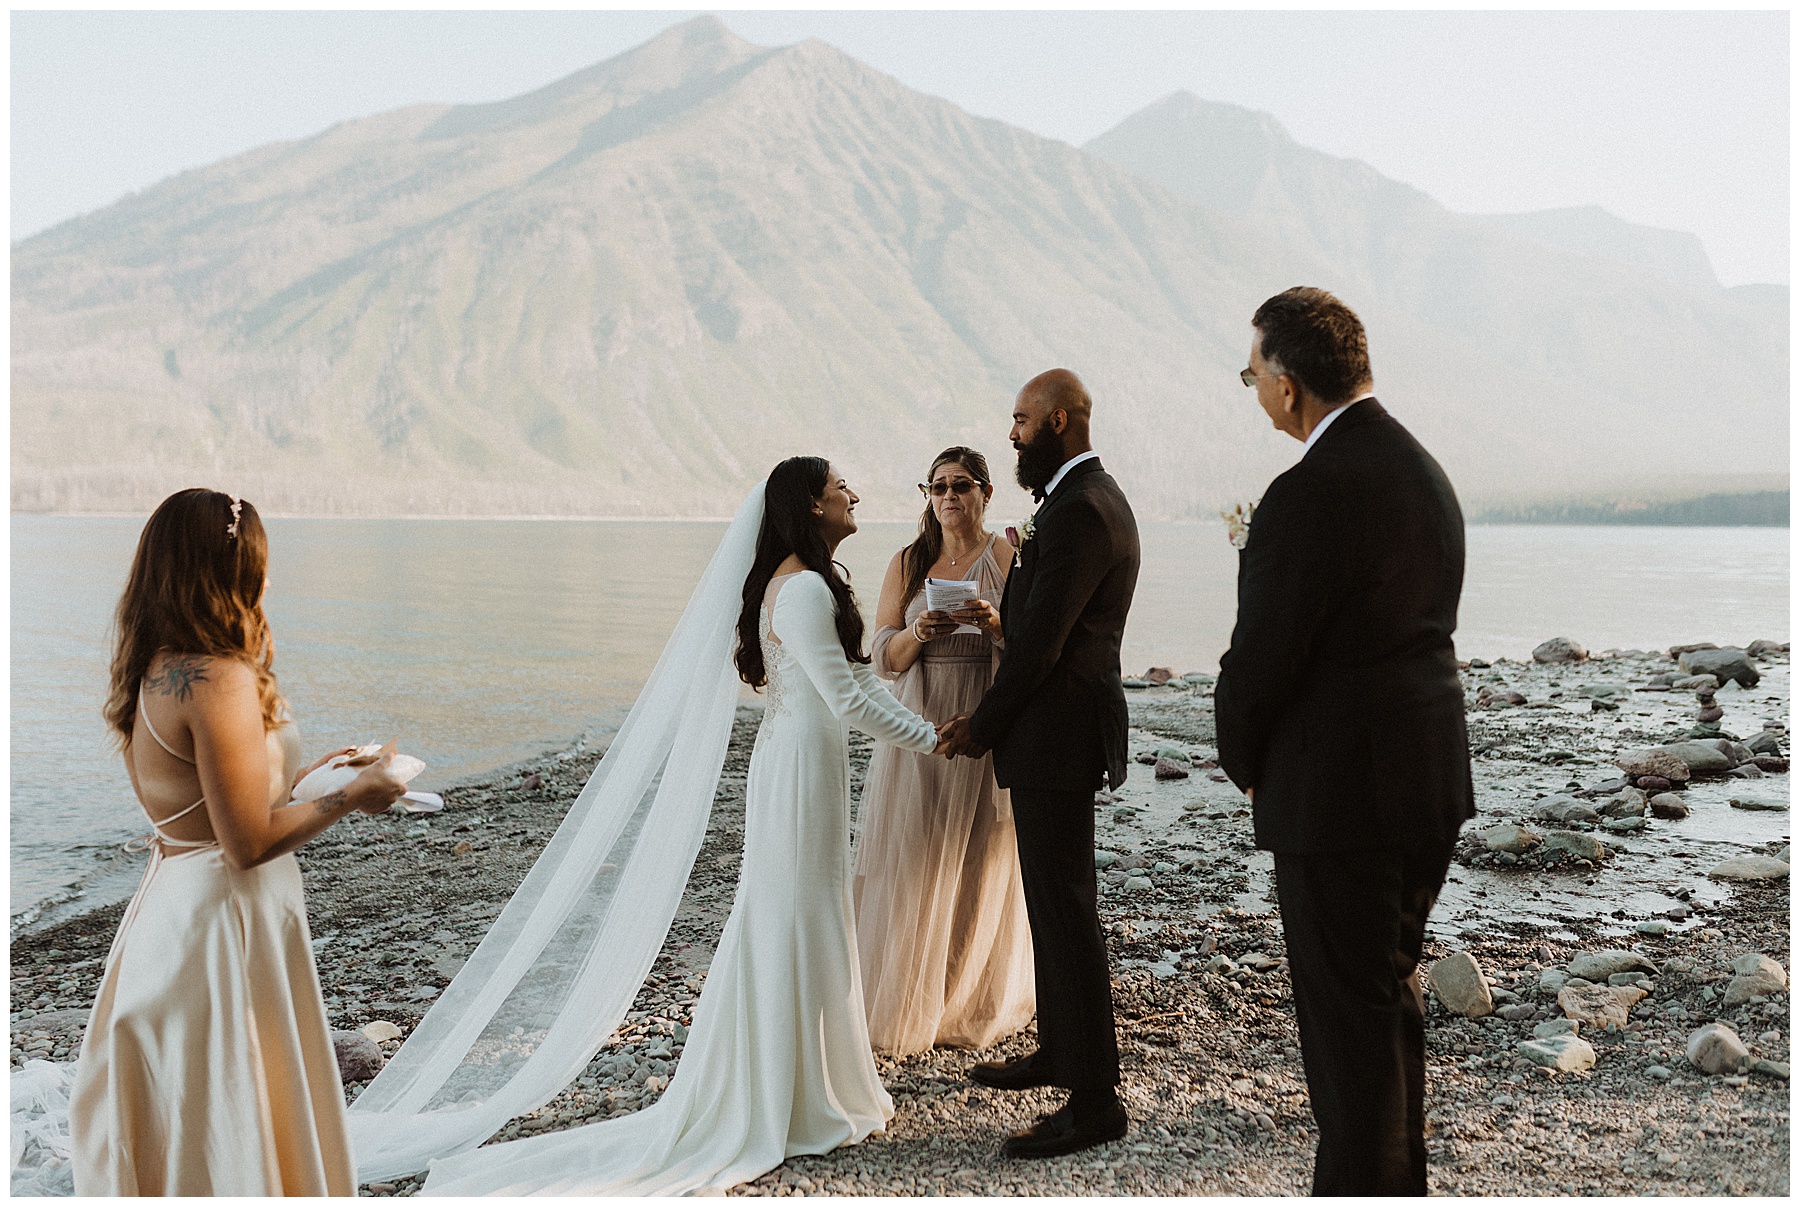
{"points": [[1355, 924], [1055, 833]]}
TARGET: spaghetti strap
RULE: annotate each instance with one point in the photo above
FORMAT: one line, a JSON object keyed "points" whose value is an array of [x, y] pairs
{"points": [[144, 713]]}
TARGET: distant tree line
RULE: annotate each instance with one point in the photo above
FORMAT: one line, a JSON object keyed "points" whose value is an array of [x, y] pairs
{"points": [[1752, 509]]}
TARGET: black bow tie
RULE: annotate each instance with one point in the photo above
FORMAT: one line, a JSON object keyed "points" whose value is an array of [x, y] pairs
{"points": [[1038, 495]]}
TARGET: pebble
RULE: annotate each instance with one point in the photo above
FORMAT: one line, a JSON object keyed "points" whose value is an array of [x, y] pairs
{"points": [[1556, 1026], [1510, 838], [1668, 806], [1598, 965], [1600, 1005], [1169, 769], [1653, 783], [1753, 805], [380, 1030], [1583, 846], [1701, 758], [1657, 761], [1657, 1073], [1654, 926], [1559, 649]]}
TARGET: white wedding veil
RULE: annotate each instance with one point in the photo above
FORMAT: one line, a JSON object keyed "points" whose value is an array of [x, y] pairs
{"points": [[563, 962]]}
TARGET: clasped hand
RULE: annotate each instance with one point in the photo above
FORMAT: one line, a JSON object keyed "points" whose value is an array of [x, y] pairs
{"points": [[955, 739]]}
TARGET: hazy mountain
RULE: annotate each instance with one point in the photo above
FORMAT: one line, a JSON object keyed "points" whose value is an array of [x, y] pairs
{"points": [[632, 291], [1593, 231], [1614, 337]]}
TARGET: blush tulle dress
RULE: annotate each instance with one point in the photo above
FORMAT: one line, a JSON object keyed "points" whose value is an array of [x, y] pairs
{"points": [[940, 909]]}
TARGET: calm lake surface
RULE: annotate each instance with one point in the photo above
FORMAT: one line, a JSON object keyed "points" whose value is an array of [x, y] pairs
{"points": [[478, 643]]}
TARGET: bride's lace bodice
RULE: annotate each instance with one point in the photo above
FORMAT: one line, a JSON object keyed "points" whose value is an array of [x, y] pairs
{"points": [[810, 679]]}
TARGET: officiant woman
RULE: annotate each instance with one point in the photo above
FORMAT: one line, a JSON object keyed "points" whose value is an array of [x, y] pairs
{"points": [[940, 912]]}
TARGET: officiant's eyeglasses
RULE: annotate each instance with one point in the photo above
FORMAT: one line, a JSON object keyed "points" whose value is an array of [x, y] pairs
{"points": [[961, 486], [1249, 376]]}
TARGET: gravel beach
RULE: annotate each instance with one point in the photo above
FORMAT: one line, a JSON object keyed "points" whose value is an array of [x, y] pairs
{"points": [[1564, 865]]}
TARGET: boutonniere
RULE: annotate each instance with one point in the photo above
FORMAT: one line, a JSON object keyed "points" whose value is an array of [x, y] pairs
{"points": [[1024, 532], [1237, 522]]}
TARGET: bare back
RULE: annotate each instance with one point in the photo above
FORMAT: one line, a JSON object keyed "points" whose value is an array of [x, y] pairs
{"points": [[160, 759]]}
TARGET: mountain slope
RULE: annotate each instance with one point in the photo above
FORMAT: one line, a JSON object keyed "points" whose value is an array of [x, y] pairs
{"points": [[632, 291]]}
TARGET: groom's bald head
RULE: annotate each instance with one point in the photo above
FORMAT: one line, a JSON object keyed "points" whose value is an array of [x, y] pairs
{"points": [[1060, 390]]}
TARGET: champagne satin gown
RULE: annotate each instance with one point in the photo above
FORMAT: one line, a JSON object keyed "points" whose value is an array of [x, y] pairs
{"points": [[940, 909], [207, 1068]]}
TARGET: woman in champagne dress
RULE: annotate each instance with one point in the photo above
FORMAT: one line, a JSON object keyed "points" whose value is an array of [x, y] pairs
{"points": [[940, 910], [207, 1068]]}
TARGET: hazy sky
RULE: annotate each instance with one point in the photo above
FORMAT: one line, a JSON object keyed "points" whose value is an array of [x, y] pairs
{"points": [[1676, 119]]}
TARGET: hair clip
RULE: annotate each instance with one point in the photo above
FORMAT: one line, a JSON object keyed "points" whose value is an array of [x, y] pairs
{"points": [[237, 507]]}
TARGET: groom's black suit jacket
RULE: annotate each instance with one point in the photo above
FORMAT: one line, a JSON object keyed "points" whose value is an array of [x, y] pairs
{"points": [[1055, 716], [1339, 701]]}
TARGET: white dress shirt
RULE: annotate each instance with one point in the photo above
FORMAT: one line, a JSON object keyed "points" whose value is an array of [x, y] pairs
{"points": [[1330, 418], [1071, 463]]}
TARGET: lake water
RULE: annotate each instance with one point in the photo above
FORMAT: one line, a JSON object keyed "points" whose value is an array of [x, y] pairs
{"points": [[478, 643]]}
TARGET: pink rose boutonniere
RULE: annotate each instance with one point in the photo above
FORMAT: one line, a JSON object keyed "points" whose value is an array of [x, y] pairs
{"points": [[1016, 537]]}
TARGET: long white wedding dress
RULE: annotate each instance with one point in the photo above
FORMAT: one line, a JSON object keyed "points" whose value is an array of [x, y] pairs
{"points": [[778, 1062]]}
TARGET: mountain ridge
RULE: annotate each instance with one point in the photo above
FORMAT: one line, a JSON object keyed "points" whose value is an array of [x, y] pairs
{"points": [[633, 289]]}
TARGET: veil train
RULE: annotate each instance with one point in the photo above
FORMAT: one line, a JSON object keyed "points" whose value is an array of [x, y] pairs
{"points": [[563, 962]]}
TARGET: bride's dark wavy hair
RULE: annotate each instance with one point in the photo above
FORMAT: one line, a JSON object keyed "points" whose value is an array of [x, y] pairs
{"points": [[787, 527]]}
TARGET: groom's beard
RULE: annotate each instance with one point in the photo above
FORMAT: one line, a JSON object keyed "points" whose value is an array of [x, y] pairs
{"points": [[1040, 459]]}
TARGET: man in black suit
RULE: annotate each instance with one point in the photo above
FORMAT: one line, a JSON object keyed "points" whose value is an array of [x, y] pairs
{"points": [[1055, 719], [1340, 712]]}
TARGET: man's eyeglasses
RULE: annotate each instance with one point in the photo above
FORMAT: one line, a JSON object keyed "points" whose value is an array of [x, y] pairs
{"points": [[1249, 376], [961, 486]]}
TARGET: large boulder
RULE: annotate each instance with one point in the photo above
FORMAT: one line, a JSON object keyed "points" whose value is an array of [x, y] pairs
{"points": [[1559, 649], [1757, 975], [1723, 665], [1600, 1005], [1598, 965], [1716, 1048], [1654, 761], [1458, 982], [1702, 758]]}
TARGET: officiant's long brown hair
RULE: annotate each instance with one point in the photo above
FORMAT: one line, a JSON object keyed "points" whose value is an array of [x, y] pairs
{"points": [[920, 556], [195, 587], [787, 527]]}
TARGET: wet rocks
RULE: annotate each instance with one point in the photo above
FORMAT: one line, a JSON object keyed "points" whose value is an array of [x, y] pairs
{"points": [[1156, 676], [1769, 763], [1600, 1005], [1657, 761], [1629, 803], [1564, 809], [1722, 664], [1762, 645], [1766, 741], [1694, 683], [1555, 1026], [1510, 838], [1749, 867], [381, 1030], [1701, 758], [1581, 846], [1668, 806], [1757, 975], [1716, 1048], [1169, 769], [1598, 965], [1653, 783], [1568, 1053], [1752, 804], [1487, 697], [1559, 649], [358, 1059], [1458, 983]]}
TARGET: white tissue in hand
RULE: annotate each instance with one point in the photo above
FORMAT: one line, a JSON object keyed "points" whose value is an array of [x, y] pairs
{"points": [[334, 774]]}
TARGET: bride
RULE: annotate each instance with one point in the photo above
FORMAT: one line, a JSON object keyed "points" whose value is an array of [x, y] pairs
{"points": [[778, 1062]]}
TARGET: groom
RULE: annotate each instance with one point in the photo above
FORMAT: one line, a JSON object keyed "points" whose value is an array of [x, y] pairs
{"points": [[1340, 712], [1055, 719]]}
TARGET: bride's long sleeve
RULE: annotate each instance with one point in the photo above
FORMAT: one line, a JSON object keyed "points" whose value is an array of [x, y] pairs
{"points": [[805, 621]]}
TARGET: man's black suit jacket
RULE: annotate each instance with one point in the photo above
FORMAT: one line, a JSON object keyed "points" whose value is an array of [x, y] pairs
{"points": [[1055, 716], [1339, 701]]}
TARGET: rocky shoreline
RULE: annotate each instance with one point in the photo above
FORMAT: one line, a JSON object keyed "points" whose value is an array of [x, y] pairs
{"points": [[1529, 1091]]}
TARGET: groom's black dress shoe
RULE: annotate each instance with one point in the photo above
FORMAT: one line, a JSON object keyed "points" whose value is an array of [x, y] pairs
{"points": [[1019, 1073], [1060, 1133]]}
